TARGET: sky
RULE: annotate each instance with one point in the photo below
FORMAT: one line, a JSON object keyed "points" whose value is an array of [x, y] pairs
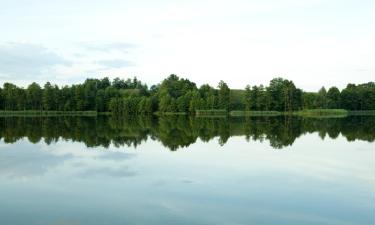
{"points": [[315, 43]]}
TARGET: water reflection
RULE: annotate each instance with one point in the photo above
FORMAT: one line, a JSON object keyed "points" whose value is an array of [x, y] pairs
{"points": [[180, 131], [58, 180]]}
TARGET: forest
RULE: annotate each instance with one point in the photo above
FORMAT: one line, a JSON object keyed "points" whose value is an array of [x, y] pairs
{"points": [[178, 95]]}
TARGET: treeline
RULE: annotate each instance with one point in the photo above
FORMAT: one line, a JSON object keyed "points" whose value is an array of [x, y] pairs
{"points": [[176, 132], [92, 95], [174, 94]]}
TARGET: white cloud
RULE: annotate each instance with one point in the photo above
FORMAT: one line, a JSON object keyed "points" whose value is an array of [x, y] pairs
{"points": [[20, 61]]}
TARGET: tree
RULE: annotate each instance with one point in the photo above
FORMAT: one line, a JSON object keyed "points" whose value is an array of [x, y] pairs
{"points": [[175, 94], [247, 98], [109, 93], [100, 101], [145, 106], [309, 100], [276, 95], [283, 95], [369, 96], [211, 102], [176, 87], [164, 103], [209, 96], [10, 96], [263, 99], [321, 100], [90, 91], [1, 99], [172, 106], [116, 106], [21, 101], [119, 83], [68, 102], [183, 102], [79, 97], [58, 98], [103, 83], [288, 90], [48, 98], [195, 102], [297, 99], [333, 98], [254, 98], [34, 96], [224, 96]]}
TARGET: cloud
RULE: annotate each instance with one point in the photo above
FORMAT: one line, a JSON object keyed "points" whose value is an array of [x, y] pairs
{"points": [[28, 161], [114, 63], [22, 61], [108, 172], [117, 156], [109, 47]]}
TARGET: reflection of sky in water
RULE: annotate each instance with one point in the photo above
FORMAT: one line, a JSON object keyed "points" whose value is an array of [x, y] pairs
{"points": [[311, 182]]}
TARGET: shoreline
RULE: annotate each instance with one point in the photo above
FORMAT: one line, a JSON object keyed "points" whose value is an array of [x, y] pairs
{"points": [[204, 113]]}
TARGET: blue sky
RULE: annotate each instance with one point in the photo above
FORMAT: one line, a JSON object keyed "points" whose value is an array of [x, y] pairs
{"points": [[312, 42]]}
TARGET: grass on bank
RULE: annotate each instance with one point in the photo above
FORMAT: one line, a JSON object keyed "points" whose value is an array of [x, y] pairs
{"points": [[322, 113], [47, 113], [255, 113], [211, 112], [203, 113], [362, 113], [169, 113]]}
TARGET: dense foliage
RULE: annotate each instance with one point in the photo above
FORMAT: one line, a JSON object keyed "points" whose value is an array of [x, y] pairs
{"points": [[176, 132], [174, 94]]}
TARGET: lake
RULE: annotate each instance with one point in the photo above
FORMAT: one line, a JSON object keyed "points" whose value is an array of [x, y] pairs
{"points": [[183, 170]]}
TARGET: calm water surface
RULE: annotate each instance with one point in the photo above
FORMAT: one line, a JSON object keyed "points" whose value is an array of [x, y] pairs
{"points": [[179, 170]]}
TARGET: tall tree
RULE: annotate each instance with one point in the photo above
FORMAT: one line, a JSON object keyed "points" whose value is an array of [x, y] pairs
{"points": [[34, 95], [48, 98], [333, 98], [10, 96], [321, 100], [276, 95], [1, 99], [224, 96], [247, 98]]}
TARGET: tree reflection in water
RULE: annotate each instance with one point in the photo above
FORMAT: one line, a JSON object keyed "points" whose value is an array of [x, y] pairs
{"points": [[176, 132]]}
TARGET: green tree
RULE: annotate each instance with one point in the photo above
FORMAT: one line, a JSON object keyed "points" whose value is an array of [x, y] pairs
{"points": [[333, 98], [263, 100], [116, 106], [321, 100], [67, 99], [145, 106], [10, 96], [211, 102], [48, 98], [283, 95], [90, 90], [309, 100], [183, 102], [247, 98], [195, 102], [164, 103], [2, 100], [79, 97], [34, 95], [224, 96], [100, 101], [21, 101], [276, 95], [103, 83], [254, 98]]}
